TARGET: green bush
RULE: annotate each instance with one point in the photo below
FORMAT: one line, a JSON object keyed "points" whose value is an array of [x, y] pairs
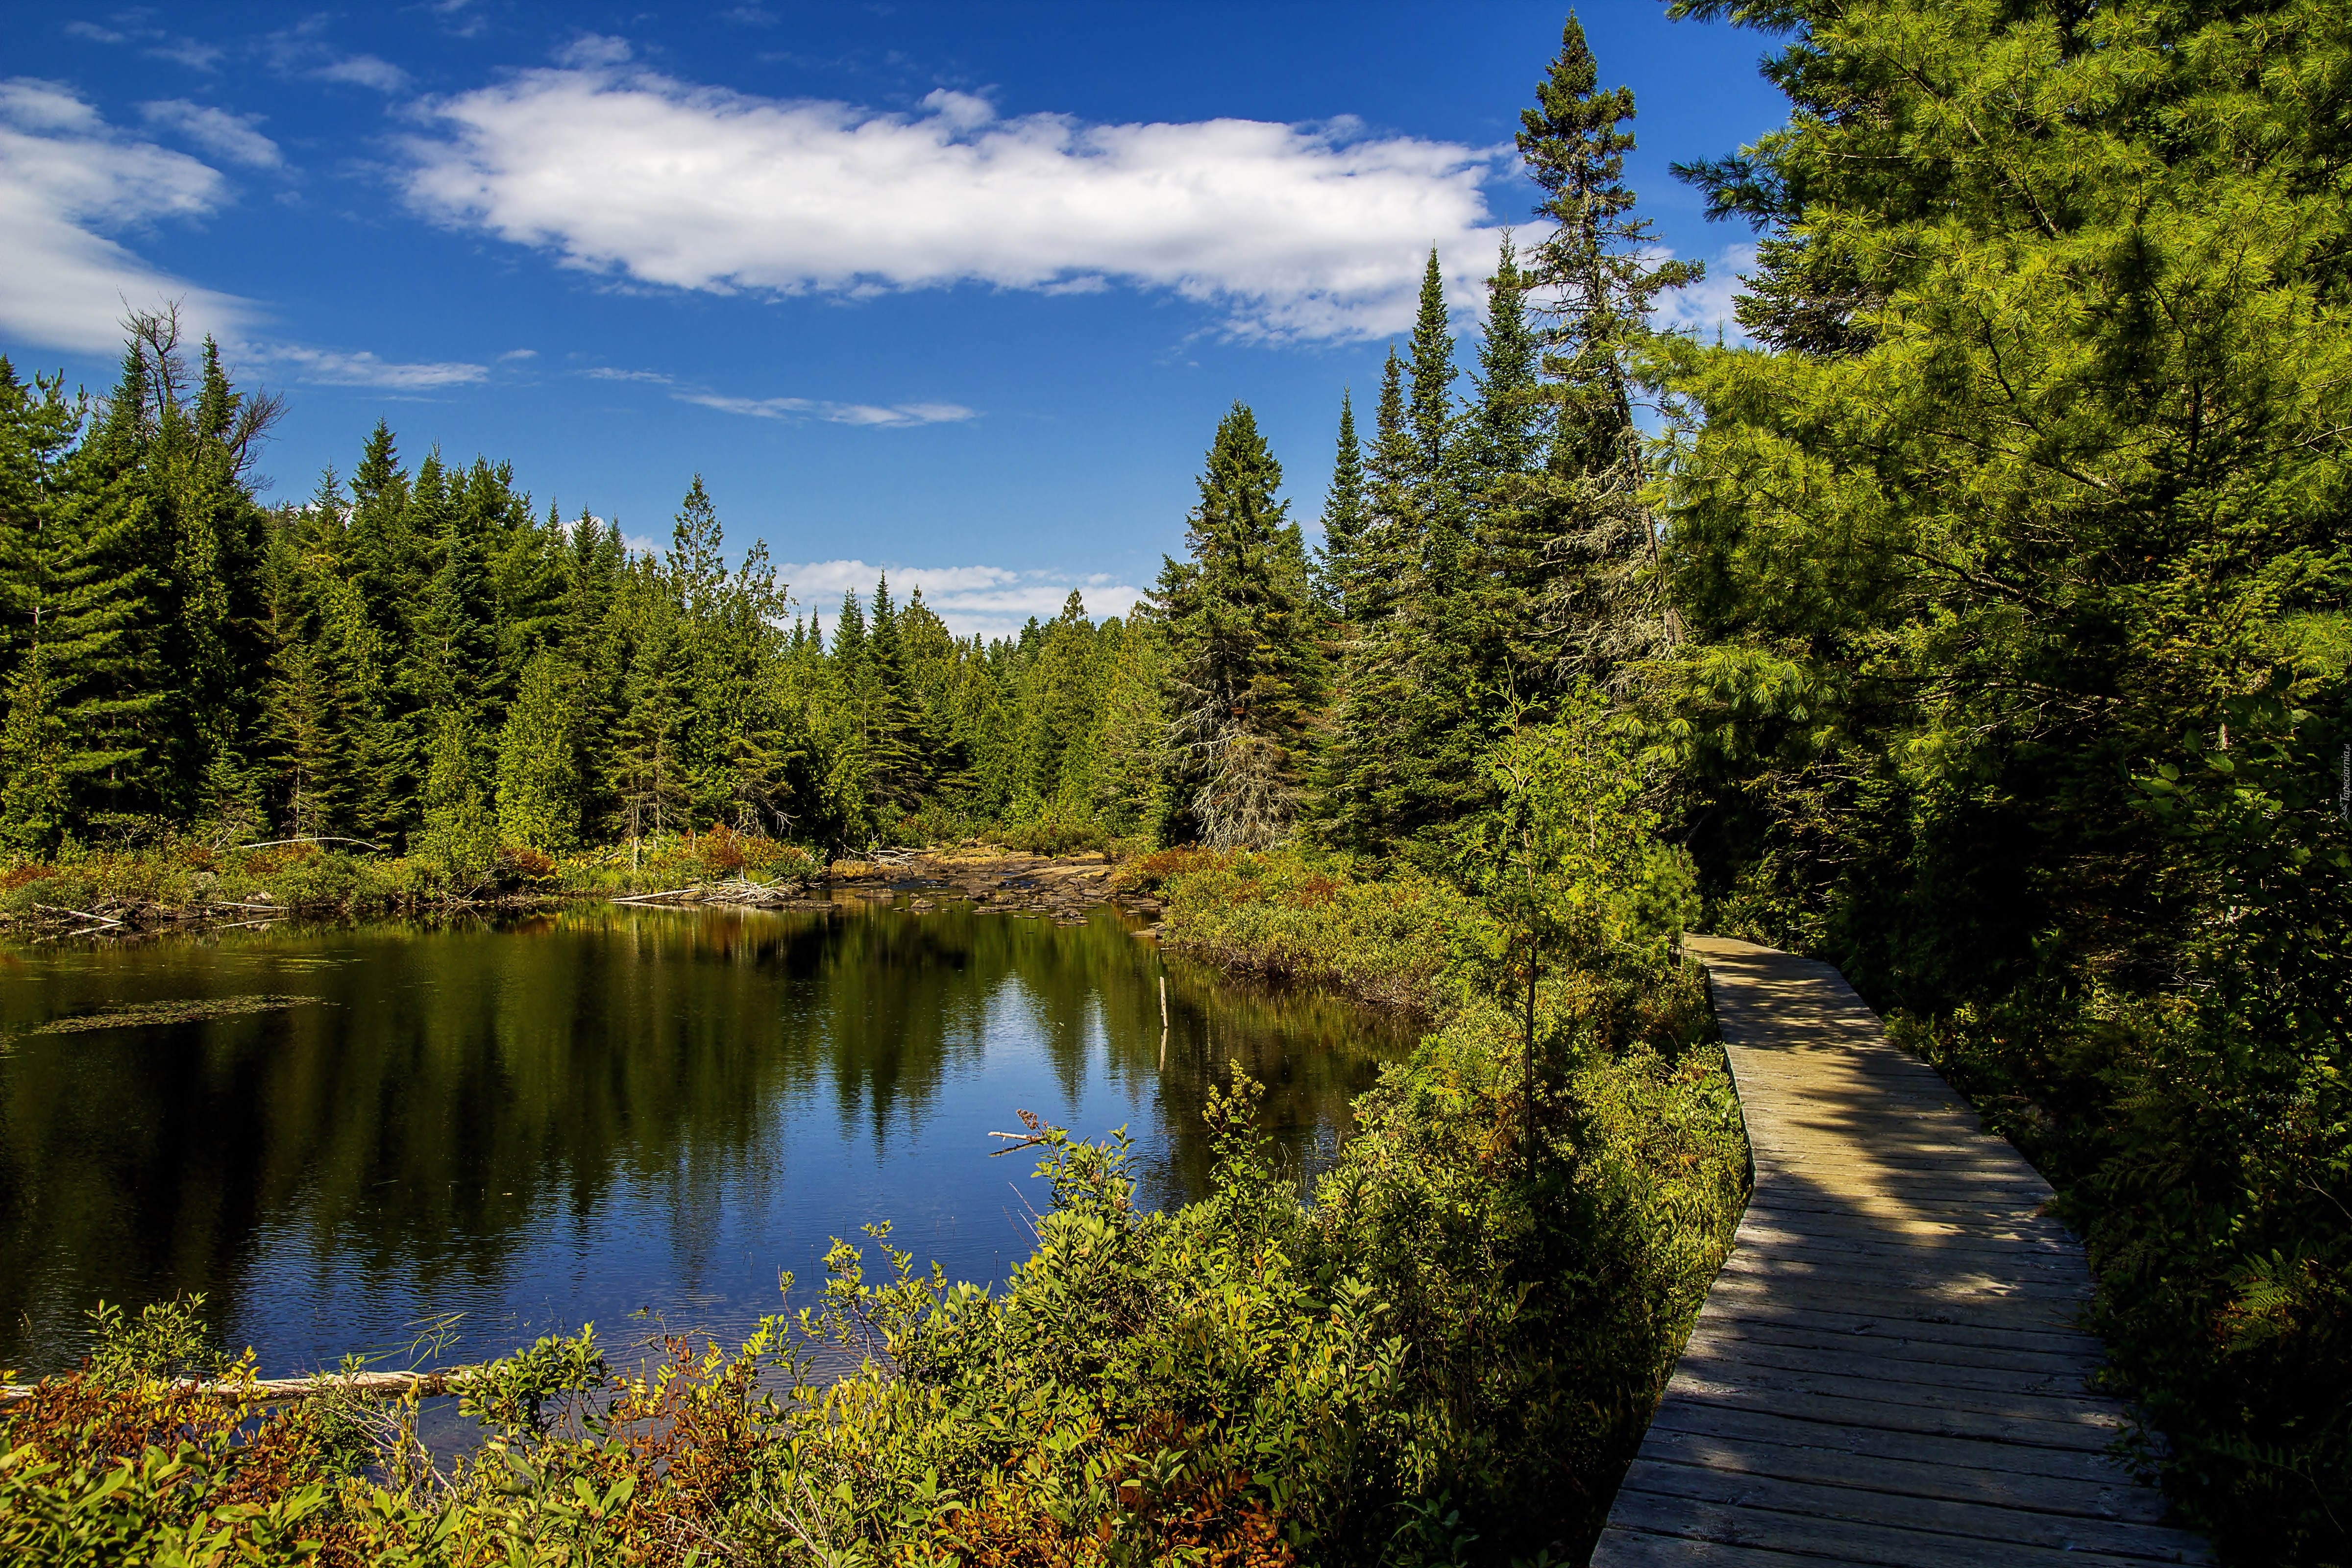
{"points": [[1288, 916], [1445, 1357]]}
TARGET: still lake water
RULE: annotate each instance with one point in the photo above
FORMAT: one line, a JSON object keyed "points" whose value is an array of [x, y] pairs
{"points": [[630, 1117]]}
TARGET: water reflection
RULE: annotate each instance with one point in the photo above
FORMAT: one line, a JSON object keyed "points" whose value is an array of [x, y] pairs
{"points": [[599, 1114]]}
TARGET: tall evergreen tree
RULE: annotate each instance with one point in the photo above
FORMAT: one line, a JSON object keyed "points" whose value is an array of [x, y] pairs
{"points": [[538, 786], [1340, 559], [1244, 670], [1598, 277]]}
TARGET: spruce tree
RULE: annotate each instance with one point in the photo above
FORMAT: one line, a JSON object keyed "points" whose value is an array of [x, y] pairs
{"points": [[1243, 664], [1596, 275], [35, 809], [1340, 559], [537, 788], [460, 827]]}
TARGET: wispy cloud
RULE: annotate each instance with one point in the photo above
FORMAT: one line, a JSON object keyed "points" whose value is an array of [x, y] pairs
{"points": [[1307, 231], [216, 131], [329, 367], [69, 182], [303, 50], [895, 415], [194, 53], [987, 601]]}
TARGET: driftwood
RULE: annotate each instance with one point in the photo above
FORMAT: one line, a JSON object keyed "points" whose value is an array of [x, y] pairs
{"points": [[741, 891], [281, 1390], [320, 838], [78, 915]]}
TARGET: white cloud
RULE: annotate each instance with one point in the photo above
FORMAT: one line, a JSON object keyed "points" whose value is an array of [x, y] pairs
{"points": [[327, 367], [1293, 230], [989, 600], [1706, 307], [217, 131], [895, 416], [301, 51], [67, 181], [66, 176], [364, 70]]}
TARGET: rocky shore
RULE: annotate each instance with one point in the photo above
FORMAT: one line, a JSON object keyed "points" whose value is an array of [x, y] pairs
{"points": [[1061, 888]]}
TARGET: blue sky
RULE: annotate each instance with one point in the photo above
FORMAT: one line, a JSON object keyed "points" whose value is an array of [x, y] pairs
{"points": [[957, 289]]}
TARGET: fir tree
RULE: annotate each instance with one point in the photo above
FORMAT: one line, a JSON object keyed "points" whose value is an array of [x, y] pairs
{"points": [[34, 805], [538, 792], [1243, 676], [460, 831], [1597, 280], [1340, 559]]}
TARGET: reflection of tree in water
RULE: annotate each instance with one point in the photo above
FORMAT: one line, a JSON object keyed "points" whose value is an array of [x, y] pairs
{"points": [[462, 1083]]}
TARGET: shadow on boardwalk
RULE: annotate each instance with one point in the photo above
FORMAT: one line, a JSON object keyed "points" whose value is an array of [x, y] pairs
{"points": [[1887, 1370]]}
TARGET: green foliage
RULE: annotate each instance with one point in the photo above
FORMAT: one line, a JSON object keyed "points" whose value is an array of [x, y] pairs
{"points": [[2015, 564], [538, 776], [1432, 1362], [1244, 670]]}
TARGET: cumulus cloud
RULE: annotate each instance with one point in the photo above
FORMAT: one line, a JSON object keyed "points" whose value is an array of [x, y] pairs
{"points": [[68, 182], [1295, 231], [216, 131], [986, 600], [895, 416]]}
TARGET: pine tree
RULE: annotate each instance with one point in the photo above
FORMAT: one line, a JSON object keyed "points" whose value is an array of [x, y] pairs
{"points": [[649, 782], [35, 811], [460, 829], [1129, 745], [538, 789], [1341, 559], [1244, 670], [73, 584], [898, 747], [1598, 280]]}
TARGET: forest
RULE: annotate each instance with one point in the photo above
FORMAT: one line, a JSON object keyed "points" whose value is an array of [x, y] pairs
{"points": [[1976, 622]]}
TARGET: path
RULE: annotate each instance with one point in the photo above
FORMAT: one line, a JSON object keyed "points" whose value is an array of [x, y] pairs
{"points": [[1884, 1371]]}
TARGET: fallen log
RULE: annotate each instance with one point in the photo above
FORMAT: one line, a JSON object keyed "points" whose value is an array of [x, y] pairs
{"points": [[283, 1390], [78, 915]]}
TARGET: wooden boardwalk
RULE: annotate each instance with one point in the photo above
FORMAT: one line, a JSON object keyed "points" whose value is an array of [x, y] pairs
{"points": [[1885, 1371]]}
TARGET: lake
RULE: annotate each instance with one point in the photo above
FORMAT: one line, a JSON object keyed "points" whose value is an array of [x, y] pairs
{"points": [[635, 1117]]}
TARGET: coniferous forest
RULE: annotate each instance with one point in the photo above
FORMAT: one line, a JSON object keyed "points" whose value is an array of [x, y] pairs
{"points": [[1978, 623]]}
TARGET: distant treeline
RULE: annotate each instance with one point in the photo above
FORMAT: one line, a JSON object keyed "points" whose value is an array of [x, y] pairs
{"points": [[417, 657]]}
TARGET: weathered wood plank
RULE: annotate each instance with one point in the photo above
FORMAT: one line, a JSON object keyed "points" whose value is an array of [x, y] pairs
{"points": [[2089, 1467], [1754, 1388], [1855, 1541], [1894, 1362], [1821, 1499], [1888, 1370], [2069, 1362], [1945, 1476]]}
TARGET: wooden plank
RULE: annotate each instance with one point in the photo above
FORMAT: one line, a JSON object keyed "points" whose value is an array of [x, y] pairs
{"points": [[2035, 1313], [2070, 1360], [1894, 1362], [2041, 1420], [1943, 1477], [1910, 1328], [1629, 1548], [2002, 1521], [1888, 1368], [2089, 1468], [1852, 1541]]}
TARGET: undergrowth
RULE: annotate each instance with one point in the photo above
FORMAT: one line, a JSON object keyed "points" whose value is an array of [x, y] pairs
{"points": [[1445, 1357]]}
